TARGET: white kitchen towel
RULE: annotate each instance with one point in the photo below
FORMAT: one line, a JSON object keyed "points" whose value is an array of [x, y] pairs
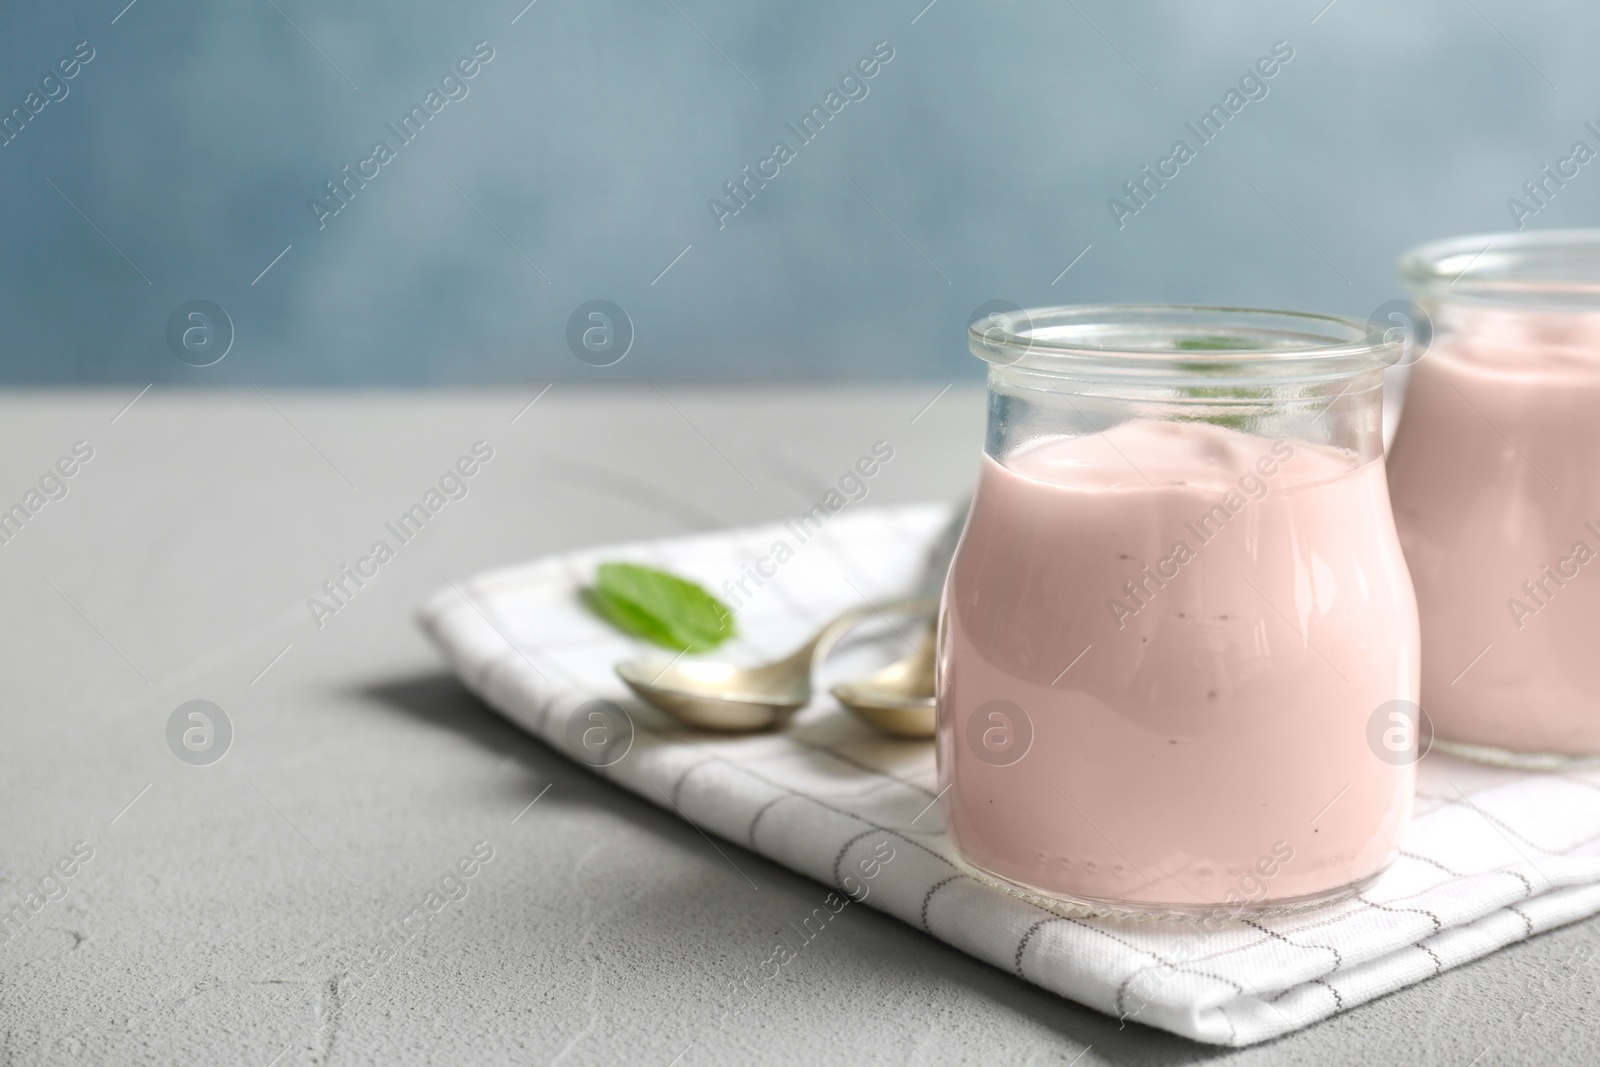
{"points": [[1492, 856]]}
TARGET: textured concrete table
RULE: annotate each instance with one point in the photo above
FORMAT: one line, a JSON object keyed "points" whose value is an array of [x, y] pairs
{"points": [[263, 908]]}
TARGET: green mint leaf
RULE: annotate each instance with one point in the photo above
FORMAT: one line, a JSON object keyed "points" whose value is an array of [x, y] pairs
{"points": [[1217, 344], [626, 617], [659, 607], [1238, 420]]}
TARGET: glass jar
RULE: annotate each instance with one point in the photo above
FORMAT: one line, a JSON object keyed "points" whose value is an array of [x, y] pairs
{"points": [[1495, 477], [1177, 665]]}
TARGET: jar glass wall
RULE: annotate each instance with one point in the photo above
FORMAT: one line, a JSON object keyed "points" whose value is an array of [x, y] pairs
{"points": [[1495, 477], [1179, 625]]}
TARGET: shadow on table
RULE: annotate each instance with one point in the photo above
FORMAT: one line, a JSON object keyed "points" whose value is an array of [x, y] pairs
{"points": [[440, 700]]}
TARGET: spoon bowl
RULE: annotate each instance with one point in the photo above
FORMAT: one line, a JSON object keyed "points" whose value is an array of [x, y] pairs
{"points": [[899, 699], [713, 696]]}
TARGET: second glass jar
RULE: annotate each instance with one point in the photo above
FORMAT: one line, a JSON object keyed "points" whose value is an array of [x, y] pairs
{"points": [[1497, 493]]}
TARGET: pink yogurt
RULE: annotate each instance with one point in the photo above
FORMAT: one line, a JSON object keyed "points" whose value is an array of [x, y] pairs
{"points": [[1162, 651], [1495, 473]]}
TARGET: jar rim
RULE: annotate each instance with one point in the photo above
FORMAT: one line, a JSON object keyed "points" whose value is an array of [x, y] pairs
{"points": [[1165, 340], [1555, 269]]}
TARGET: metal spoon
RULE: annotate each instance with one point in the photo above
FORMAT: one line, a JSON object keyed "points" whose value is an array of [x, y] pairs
{"points": [[898, 700], [720, 696]]}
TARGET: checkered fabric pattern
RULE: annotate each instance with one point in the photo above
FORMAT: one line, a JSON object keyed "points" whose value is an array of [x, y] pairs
{"points": [[1492, 856]]}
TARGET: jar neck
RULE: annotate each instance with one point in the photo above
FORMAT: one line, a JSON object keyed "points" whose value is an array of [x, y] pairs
{"points": [[1510, 335], [1343, 412]]}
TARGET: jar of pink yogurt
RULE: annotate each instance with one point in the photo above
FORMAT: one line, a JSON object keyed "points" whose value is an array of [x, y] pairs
{"points": [[1178, 651], [1495, 476]]}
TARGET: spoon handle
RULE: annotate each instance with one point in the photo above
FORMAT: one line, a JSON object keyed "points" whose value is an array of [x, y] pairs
{"points": [[803, 659], [924, 599], [820, 645]]}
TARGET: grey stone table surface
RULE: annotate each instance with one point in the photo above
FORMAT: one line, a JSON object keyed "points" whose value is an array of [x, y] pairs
{"points": [[231, 913]]}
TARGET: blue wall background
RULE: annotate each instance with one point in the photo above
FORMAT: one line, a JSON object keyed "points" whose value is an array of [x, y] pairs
{"points": [[978, 165]]}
